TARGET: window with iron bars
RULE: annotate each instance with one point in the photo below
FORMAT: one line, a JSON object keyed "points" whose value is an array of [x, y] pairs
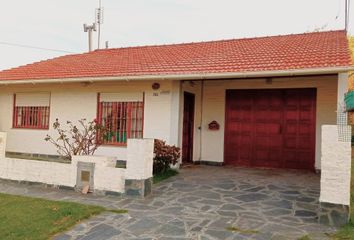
{"points": [[122, 120], [31, 117]]}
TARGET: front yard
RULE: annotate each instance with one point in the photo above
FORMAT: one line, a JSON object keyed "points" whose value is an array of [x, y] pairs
{"points": [[37, 219], [33, 218]]}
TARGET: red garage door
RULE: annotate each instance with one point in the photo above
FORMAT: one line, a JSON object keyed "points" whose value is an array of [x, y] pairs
{"points": [[271, 128]]}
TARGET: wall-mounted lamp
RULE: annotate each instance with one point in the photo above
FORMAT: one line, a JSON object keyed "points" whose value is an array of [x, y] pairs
{"points": [[155, 86]]}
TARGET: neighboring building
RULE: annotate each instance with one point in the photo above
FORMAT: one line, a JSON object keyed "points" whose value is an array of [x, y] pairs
{"points": [[351, 75], [269, 95]]}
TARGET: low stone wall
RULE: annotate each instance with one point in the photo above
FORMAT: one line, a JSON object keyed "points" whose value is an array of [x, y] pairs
{"points": [[36, 156], [99, 172], [335, 175], [2, 144], [59, 174], [106, 177]]}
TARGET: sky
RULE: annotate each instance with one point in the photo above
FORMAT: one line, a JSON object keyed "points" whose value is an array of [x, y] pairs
{"points": [[58, 24]]}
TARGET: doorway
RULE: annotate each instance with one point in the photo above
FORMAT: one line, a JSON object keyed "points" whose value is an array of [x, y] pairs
{"points": [[188, 128]]}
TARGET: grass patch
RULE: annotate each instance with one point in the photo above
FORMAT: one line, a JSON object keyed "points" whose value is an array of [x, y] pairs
{"points": [[345, 233], [118, 211], [306, 237], [163, 176], [242, 231], [37, 219]]}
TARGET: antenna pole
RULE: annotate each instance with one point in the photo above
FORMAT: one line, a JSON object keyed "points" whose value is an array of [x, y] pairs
{"points": [[89, 29], [346, 16], [99, 21]]}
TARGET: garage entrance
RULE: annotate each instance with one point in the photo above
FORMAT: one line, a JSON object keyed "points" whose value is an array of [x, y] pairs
{"points": [[270, 128]]}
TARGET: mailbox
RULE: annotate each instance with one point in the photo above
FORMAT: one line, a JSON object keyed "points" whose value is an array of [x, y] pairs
{"points": [[214, 126]]}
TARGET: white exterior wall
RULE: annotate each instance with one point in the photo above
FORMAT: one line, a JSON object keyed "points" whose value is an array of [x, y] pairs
{"points": [[76, 101], [336, 165], [175, 113], [213, 108]]}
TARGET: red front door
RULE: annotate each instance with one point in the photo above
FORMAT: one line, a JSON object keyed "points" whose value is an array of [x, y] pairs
{"points": [[188, 128], [270, 128]]}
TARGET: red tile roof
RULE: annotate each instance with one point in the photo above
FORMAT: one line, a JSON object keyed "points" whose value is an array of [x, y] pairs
{"points": [[288, 52]]}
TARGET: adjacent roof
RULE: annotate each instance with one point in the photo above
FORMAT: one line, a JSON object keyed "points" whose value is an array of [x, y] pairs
{"points": [[287, 52]]}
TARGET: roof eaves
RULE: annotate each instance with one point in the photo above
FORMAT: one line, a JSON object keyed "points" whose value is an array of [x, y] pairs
{"points": [[200, 76]]}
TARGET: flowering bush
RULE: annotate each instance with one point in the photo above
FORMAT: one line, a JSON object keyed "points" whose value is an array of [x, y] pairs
{"points": [[74, 141], [165, 156]]}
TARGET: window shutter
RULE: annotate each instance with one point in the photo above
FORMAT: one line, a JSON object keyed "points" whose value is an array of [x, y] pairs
{"points": [[32, 99], [122, 97]]}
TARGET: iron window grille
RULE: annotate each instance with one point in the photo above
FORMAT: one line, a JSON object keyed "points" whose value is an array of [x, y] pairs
{"points": [[122, 120], [30, 117]]}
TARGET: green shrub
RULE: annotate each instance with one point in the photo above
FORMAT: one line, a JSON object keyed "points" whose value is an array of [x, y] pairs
{"points": [[165, 156]]}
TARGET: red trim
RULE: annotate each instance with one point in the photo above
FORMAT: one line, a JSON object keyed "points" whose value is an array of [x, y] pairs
{"points": [[14, 113], [128, 120], [48, 111], [98, 117], [143, 117], [115, 144], [32, 128]]}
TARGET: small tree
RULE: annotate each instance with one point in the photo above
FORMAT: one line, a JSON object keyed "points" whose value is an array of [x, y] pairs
{"points": [[74, 141], [165, 156]]}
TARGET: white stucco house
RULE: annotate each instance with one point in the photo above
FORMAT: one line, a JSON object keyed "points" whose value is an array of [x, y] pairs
{"points": [[256, 102]]}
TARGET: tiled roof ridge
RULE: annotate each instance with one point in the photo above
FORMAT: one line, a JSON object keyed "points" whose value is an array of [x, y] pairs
{"points": [[215, 41]]}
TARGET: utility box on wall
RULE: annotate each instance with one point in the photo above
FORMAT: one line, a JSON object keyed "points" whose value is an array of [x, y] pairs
{"points": [[85, 175]]}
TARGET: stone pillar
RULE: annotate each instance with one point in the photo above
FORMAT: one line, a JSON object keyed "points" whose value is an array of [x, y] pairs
{"points": [[335, 175], [2, 144], [138, 175]]}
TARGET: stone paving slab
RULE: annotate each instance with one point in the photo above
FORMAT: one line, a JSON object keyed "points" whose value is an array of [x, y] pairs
{"points": [[203, 202]]}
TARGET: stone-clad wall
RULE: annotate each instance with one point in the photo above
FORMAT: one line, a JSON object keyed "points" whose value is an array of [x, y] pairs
{"points": [[336, 165], [335, 174], [138, 180]]}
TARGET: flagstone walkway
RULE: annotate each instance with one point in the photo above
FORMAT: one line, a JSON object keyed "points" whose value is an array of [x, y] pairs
{"points": [[205, 203]]}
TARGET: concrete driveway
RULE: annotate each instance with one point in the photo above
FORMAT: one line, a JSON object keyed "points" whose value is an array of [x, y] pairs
{"points": [[205, 202]]}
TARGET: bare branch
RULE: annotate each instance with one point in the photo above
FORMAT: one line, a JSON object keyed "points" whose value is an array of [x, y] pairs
{"points": [[75, 141]]}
